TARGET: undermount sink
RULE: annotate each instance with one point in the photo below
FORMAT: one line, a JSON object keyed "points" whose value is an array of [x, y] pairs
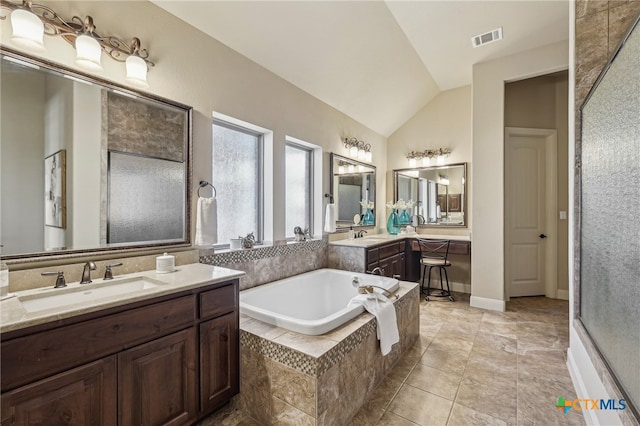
{"points": [[86, 293], [374, 240]]}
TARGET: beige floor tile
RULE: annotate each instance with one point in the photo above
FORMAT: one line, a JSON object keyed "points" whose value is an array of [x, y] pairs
{"points": [[390, 419], [445, 359], [435, 381], [465, 416], [420, 407], [491, 395]]}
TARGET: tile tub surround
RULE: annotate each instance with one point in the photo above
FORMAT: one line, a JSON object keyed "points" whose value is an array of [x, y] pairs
{"points": [[287, 377], [265, 264]]}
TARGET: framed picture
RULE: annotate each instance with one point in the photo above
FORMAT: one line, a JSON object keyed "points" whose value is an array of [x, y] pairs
{"points": [[55, 190]]}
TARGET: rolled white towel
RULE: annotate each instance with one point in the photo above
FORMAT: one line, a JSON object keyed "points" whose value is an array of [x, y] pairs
{"points": [[330, 218], [206, 222]]}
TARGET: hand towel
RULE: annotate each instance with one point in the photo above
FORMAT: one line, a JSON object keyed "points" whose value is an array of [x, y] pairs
{"points": [[206, 222], [330, 218], [385, 313]]}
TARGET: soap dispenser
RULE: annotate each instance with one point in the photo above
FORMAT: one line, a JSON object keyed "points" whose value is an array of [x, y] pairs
{"points": [[352, 233]]}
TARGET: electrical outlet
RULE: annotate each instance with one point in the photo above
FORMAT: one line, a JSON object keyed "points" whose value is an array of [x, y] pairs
{"points": [[563, 215]]}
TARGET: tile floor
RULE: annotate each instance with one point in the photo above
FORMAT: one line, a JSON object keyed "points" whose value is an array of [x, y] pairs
{"points": [[472, 367]]}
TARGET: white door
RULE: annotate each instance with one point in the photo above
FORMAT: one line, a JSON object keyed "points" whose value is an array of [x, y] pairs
{"points": [[529, 212]]}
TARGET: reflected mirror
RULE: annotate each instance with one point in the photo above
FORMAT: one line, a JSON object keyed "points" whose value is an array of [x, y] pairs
{"points": [[86, 165], [353, 187], [434, 195]]}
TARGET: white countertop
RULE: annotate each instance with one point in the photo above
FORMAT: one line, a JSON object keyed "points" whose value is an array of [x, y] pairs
{"points": [[376, 239], [14, 316]]}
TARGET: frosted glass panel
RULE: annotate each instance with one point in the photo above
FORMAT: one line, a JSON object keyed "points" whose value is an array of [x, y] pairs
{"points": [[236, 167], [610, 234], [148, 204], [298, 188]]}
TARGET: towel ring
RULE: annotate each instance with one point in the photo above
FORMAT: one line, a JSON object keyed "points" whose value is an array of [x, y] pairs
{"points": [[204, 183]]}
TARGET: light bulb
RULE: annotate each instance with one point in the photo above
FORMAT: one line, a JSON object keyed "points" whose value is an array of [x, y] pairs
{"points": [[426, 161], [352, 168], [412, 162], [137, 71], [340, 170], [353, 151], [440, 160], [88, 53], [368, 156], [361, 154], [28, 30]]}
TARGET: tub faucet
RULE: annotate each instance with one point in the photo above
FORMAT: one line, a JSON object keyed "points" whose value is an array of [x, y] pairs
{"points": [[86, 272], [376, 271]]}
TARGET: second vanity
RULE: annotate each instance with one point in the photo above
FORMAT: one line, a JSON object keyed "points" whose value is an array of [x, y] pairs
{"points": [[396, 255], [167, 354]]}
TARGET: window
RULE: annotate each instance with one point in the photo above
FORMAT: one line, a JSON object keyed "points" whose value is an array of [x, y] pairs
{"points": [[237, 176], [298, 188]]}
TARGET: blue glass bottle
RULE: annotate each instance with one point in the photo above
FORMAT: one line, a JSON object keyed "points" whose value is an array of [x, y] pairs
{"points": [[368, 217], [393, 223], [405, 217]]}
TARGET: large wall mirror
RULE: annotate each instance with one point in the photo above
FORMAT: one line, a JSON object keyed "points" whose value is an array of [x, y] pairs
{"points": [[353, 187], [87, 165], [437, 195]]}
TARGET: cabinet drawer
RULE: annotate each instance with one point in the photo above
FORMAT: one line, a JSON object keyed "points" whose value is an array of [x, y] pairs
{"points": [[373, 255], [218, 301], [390, 250], [455, 247], [38, 355]]}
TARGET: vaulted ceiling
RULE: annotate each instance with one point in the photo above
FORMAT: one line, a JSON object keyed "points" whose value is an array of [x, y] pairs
{"points": [[377, 61]]}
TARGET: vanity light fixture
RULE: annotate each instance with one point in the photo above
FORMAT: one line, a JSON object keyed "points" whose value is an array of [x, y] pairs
{"points": [[427, 155], [30, 21], [358, 149]]}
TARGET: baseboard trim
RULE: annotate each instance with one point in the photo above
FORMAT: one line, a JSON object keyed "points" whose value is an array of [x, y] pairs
{"points": [[562, 294], [485, 303]]}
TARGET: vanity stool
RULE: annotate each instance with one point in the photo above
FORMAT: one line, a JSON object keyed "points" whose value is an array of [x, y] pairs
{"points": [[434, 254]]}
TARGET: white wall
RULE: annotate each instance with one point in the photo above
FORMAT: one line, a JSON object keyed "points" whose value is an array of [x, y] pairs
{"points": [[21, 138], [487, 175], [445, 122], [197, 70]]}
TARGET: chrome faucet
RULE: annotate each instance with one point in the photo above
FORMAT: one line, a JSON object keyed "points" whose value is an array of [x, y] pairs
{"points": [[376, 271], [360, 233], [417, 219], [86, 272]]}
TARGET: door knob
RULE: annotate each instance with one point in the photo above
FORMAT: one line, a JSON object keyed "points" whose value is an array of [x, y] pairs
{"points": [[542, 236]]}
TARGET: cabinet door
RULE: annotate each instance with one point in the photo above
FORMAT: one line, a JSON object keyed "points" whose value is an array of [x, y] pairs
{"points": [[157, 381], [83, 396], [387, 266], [397, 265], [219, 351]]}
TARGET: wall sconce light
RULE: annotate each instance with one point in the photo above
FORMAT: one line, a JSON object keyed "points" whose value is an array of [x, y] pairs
{"points": [[427, 155], [358, 149], [30, 21]]}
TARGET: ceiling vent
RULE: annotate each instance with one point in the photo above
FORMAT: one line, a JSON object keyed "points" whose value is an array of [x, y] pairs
{"points": [[487, 38]]}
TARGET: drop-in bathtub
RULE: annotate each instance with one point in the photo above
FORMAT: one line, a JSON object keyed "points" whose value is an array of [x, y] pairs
{"points": [[311, 303]]}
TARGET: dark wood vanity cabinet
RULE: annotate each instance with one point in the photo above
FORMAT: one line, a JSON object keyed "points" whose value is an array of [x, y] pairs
{"points": [[81, 396], [165, 361], [389, 257]]}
